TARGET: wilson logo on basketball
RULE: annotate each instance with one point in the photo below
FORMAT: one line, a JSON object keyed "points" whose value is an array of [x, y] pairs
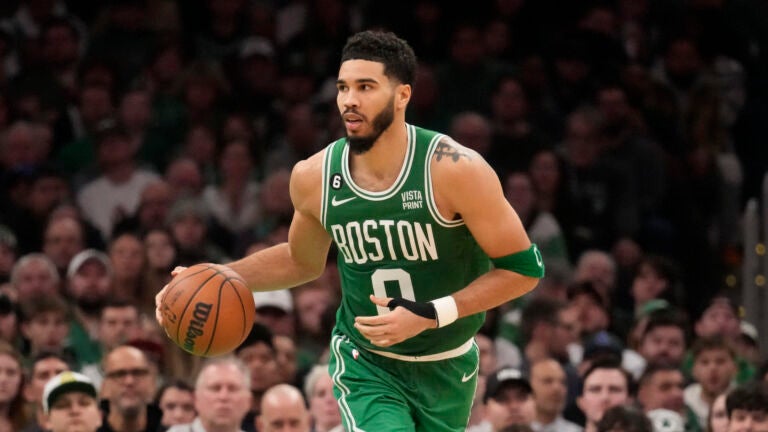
{"points": [[196, 324]]}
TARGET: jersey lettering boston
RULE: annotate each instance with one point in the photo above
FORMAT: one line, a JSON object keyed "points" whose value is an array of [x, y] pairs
{"points": [[373, 240]]}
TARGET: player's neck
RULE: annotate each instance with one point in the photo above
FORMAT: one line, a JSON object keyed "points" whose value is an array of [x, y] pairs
{"points": [[385, 159]]}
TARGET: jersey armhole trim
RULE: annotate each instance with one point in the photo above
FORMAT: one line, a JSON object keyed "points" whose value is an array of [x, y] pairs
{"points": [[429, 189], [324, 187]]}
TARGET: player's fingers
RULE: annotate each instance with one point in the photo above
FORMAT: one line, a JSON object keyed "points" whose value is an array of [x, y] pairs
{"points": [[375, 320], [177, 270], [371, 331], [158, 302], [380, 301]]}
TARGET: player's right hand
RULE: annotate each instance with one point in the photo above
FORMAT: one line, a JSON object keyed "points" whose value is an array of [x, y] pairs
{"points": [[161, 294]]}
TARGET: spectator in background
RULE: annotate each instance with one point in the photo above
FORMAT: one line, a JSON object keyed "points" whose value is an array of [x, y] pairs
{"points": [[185, 178], [287, 361], [508, 400], [661, 387], [515, 137], [126, 253], [128, 388], [9, 322], [663, 338], [747, 407], [13, 416], [257, 352], [656, 278], [95, 103], [323, 408], [203, 91], [603, 209], [200, 146], [63, 238], [605, 385], [160, 254], [118, 324], [34, 275], [45, 325], [542, 227], [70, 402], [598, 268], [176, 399], [718, 415], [233, 201], [89, 287], [114, 195], [283, 407], [155, 201], [47, 187], [221, 397], [44, 366], [622, 418], [300, 141], [274, 309], [714, 371], [135, 114], [472, 130], [188, 223], [310, 301], [549, 396], [720, 317], [8, 253]]}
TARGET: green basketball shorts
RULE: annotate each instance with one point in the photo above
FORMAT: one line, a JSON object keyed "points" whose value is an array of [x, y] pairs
{"points": [[377, 393]]}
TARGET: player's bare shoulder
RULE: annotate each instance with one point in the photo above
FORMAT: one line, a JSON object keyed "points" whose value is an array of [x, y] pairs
{"points": [[452, 159], [306, 182], [460, 177]]}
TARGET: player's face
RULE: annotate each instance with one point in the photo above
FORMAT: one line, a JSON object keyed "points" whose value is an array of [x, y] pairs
{"points": [[74, 412], [366, 101]]}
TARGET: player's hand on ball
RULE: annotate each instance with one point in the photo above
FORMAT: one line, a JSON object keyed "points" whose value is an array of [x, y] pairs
{"points": [[159, 296], [392, 328]]}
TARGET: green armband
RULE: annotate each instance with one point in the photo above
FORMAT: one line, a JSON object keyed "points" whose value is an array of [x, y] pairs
{"points": [[527, 262]]}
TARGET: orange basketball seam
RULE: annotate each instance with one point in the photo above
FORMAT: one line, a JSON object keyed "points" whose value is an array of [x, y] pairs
{"points": [[242, 306], [216, 320], [191, 297]]}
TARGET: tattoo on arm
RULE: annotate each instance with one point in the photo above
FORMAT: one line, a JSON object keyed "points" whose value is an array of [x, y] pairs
{"points": [[445, 150]]}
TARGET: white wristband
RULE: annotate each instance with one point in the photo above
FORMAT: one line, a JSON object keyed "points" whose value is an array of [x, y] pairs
{"points": [[446, 310]]}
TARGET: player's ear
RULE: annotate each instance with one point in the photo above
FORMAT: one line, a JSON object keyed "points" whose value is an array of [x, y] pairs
{"points": [[402, 95]]}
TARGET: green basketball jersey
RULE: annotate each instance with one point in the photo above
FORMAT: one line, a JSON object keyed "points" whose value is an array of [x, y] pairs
{"points": [[394, 243]]}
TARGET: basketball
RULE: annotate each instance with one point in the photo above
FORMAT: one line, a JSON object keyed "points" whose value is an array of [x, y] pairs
{"points": [[208, 310]]}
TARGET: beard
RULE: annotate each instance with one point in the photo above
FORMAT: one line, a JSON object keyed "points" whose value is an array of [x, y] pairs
{"points": [[361, 144]]}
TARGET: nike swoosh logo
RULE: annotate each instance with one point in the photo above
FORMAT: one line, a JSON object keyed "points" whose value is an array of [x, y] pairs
{"points": [[465, 377], [335, 202]]}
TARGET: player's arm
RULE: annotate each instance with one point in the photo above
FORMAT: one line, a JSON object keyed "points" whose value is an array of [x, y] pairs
{"points": [[469, 187], [299, 260], [465, 185], [303, 257]]}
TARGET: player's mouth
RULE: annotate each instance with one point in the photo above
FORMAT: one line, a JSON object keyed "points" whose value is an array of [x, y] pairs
{"points": [[353, 122]]}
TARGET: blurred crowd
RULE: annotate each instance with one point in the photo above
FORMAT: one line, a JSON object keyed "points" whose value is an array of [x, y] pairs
{"points": [[139, 135]]}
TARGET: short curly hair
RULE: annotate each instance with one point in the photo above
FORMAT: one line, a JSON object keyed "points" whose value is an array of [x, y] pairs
{"points": [[383, 47]]}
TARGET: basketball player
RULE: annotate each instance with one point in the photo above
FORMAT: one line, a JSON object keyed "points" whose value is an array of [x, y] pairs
{"points": [[415, 217]]}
